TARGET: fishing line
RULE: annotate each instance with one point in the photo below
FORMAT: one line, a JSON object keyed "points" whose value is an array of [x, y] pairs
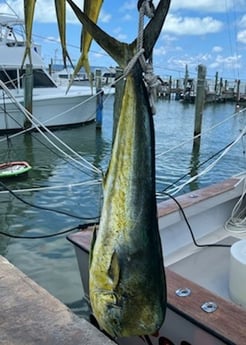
{"points": [[190, 229], [205, 132], [199, 165], [45, 208], [79, 227], [42, 143], [86, 164], [212, 165]]}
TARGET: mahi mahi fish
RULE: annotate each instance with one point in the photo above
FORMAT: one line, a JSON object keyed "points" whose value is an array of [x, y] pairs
{"points": [[60, 6], [92, 10], [127, 280], [29, 6]]}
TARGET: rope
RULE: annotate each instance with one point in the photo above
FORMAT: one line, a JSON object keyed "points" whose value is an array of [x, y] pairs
{"points": [[37, 123], [237, 221], [205, 132], [211, 166], [145, 7]]}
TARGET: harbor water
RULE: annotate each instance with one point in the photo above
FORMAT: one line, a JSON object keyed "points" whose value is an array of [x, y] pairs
{"points": [[62, 183]]}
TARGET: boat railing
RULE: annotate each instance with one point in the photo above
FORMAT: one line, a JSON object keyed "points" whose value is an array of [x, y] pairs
{"points": [[9, 93], [10, 82], [12, 31]]}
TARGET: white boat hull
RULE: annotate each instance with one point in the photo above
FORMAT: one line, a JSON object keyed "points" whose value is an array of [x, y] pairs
{"points": [[52, 105], [57, 110], [203, 270]]}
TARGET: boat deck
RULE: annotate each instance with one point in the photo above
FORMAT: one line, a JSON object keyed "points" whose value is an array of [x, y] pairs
{"points": [[226, 323], [215, 262], [205, 271], [30, 315]]}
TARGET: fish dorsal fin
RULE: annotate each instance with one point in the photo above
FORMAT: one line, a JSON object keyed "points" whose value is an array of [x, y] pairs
{"points": [[114, 269]]}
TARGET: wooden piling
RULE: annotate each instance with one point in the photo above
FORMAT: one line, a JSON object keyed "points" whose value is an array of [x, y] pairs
{"points": [[238, 92], [216, 82], [99, 92], [199, 105], [170, 87], [28, 92]]}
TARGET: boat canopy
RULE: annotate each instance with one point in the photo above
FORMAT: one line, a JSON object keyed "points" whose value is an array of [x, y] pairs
{"points": [[11, 78]]}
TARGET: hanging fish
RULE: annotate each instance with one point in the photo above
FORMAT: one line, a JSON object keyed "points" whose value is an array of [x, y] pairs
{"points": [[127, 280], [60, 6], [29, 7], [92, 10]]}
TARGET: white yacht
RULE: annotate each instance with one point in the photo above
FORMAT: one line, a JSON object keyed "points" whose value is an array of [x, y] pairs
{"points": [[51, 105]]}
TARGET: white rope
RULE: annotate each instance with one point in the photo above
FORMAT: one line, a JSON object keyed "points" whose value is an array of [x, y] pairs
{"points": [[87, 165], [237, 221], [69, 186], [176, 190], [205, 132], [58, 115]]}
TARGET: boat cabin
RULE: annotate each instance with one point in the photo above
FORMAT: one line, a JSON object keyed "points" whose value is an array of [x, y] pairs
{"points": [[12, 49]]}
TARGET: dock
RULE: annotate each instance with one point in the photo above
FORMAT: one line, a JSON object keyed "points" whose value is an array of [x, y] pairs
{"points": [[30, 315], [216, 90]]}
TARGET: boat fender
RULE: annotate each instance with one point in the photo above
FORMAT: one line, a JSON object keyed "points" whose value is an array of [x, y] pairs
{"points": [[237, 273]]}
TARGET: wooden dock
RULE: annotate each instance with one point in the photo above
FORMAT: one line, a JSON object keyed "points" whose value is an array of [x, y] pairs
{"points": [[30, 315], [217, 90]]}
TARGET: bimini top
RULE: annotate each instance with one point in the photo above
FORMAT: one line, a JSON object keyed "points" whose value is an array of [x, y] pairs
{"points": [[13, 42]]}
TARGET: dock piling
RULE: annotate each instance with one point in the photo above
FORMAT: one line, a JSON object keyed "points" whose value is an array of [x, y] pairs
{"points": [[28, 92], [99, 92]]}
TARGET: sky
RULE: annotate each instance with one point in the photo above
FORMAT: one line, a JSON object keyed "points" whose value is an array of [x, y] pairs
{"points": [[208, 32]]}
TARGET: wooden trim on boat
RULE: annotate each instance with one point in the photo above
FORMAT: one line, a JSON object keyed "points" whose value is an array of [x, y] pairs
{"points": [[192, 198], [167, 207], [82, 239], [228, 322]]}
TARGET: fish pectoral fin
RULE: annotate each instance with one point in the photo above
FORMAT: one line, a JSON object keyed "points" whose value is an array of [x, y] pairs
{"points": [[114, 270], [93, 240]]}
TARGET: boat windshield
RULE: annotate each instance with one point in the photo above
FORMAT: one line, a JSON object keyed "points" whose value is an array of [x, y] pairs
{"points": [[40, 78]]}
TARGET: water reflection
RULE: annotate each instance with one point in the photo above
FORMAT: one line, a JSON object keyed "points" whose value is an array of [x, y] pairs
{"points": [[51, 262]]}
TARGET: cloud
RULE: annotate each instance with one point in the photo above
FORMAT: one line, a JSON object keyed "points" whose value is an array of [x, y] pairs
{"points": [[228, 62], [45, 11], [127, 17], [217, 49], [104, 17], [207, 5], [241, 36], [128, 6], [242, 22], [192, 25]]}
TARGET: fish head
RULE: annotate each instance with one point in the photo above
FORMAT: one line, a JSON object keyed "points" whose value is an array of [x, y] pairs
{"points": [[108, 312]]}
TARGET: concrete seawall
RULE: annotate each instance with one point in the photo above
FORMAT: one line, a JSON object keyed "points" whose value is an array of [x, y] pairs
{"points": [[30, 315]]}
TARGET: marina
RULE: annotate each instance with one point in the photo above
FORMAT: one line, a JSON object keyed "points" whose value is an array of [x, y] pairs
{"points": [[43, 102], [122, 214], [55, 181]]}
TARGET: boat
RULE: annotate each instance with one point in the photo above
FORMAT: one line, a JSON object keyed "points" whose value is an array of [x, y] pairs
{"points": [[203, 235], [14, 169], [52, 105], [64, 76]]}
